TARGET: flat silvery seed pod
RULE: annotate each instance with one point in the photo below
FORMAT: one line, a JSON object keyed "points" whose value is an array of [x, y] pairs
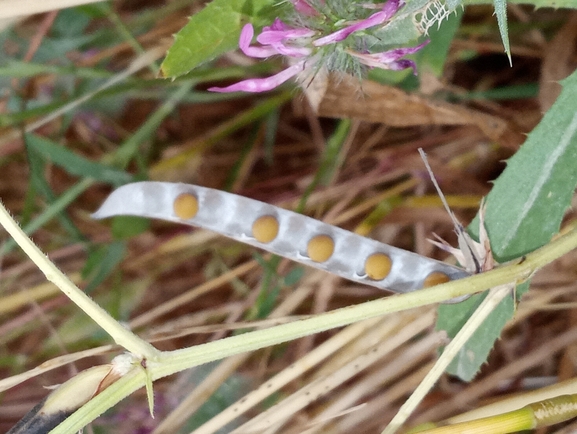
{"points": [[285, 233]]}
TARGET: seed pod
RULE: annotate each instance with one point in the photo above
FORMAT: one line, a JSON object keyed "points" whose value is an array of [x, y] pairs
{"points": [[285, 233]]}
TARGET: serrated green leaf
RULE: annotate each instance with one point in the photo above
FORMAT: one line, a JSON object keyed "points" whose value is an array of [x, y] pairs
{"points": [[530, 198], [214, 31], [75, 164], [471, 357], [501, 13], [524, 211]]}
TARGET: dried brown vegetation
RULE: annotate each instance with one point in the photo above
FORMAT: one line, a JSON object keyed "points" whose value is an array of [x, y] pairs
{"points": [[180, 287]]}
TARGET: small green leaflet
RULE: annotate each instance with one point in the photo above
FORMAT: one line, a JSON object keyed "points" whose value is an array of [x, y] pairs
{"points": [[214, 31], [524, 211]]}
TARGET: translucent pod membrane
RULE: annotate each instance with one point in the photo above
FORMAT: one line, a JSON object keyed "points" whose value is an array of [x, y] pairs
{"points": [[283, 232]]}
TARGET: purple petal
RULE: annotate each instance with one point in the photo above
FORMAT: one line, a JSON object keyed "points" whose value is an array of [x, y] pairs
{"points": [[304, 8], [389, 9], [397, 53], [277, 24], [246, 35], [262, 84], [245, 40], [287, 50], [392, 7], [332, 38], [268, 37], [390, 59], [275, 35], [399, 65]]}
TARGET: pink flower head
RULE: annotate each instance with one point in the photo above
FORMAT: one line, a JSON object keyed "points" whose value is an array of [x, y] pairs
{"points": [[302, 42]]}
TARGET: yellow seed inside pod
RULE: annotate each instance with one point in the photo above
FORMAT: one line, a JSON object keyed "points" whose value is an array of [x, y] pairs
{"points": [[265, 229], [435, 278], [185, 206], [378, 266], [320, 248]]}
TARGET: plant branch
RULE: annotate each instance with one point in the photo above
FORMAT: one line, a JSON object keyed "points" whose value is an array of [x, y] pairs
{"points": [[171, 362], [120, 334]]}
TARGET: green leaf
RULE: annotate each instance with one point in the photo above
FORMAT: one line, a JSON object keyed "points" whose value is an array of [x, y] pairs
{"points": [[14, 118], [124, 227], [75, 164], [69, 23], [530, 198], [231, 389], [68, 33], [524, 211], [559, 4], [331, 160], [246, 152], [79, 331], [434, 55], [101, 263], [501, 13], [39, 186], [214, 31], [294, 276], [474, 353], [270, 288]]}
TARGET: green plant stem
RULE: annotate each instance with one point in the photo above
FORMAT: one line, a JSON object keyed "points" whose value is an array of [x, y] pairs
{"points": [[535, 415], [174, 361], [471, 326], [120, 334]]}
